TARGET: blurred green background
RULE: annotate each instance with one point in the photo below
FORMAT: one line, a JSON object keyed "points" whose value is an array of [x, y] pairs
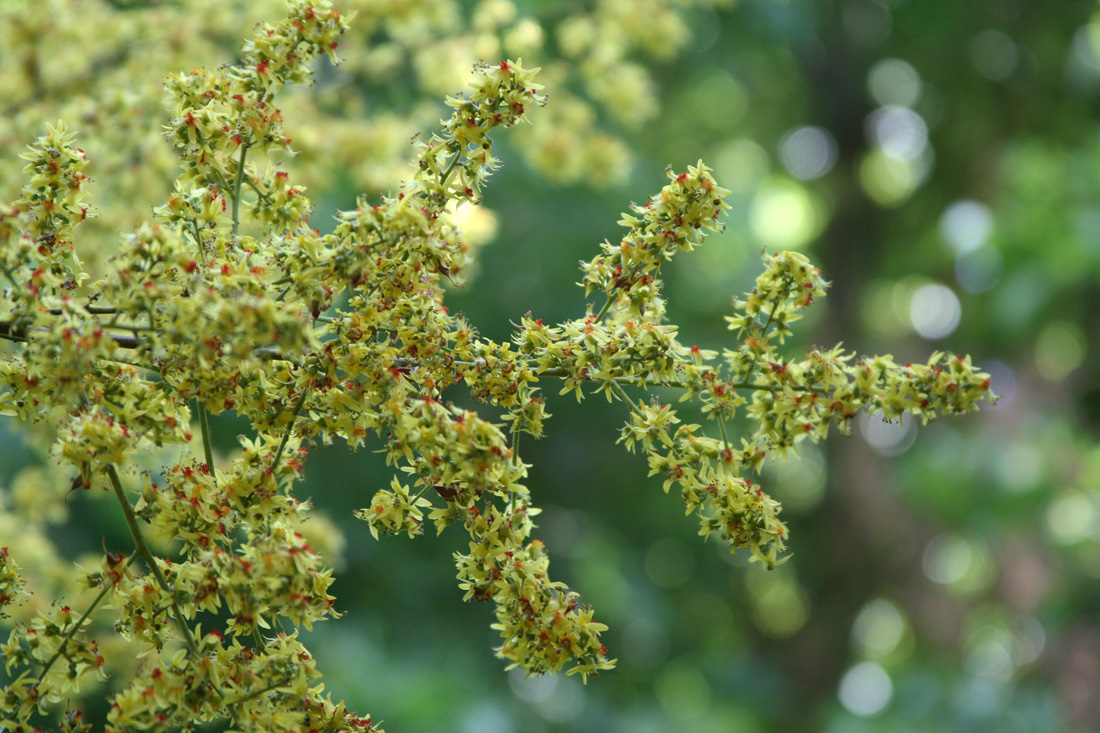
{"points": [[941, 163]]}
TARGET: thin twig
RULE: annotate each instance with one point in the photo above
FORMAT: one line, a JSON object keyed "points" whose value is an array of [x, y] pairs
{"points": [[204, 427], [150, 559], [80, 622], [289, 429], [237, 191]]}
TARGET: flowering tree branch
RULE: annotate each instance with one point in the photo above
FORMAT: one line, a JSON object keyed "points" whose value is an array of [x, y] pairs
{"points": [[221, 296]]}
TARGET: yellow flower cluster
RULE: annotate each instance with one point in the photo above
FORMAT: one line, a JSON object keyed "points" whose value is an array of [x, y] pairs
{"points": [[628, 343], [674, 221], [47, 641], [230, 677], [12, 585], [102, 64], [52, 205], [229, 299], [185, 311]]}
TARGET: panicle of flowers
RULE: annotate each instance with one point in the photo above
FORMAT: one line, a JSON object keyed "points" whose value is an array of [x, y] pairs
{"points": [[189, 505], [192, 271], [67, 360], [12, 586], [404, 244], [676, 220], [55, 642], [788, 399], [264, 691], [275, 575], [188, 296], [53, 204], [634, 344], [788, 284], [217, 112], [108, 69], [143, 606], [466, 461], [543, 624], [42, 272], [707, 472]]}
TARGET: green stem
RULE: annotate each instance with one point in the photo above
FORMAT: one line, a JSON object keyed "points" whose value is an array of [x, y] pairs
{"points": [[11, 278], [237, 191], [515, 457], [287, 279], [289, 430], [134, 364], [259, 639], [133, 328], [80, 622], [618, 389], [207, 446], [274, 355], [150, 559], [563, 373], [606, 307], [450, 170], [722, 427], [256, 693], [259, 194], [10, 332], [198, 240], [95, 309], [764, 334], [611, 298]]}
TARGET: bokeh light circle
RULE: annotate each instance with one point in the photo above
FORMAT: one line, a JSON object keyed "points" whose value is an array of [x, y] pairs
{"points": [[866, 689], [808, 152], [934, 311]]}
